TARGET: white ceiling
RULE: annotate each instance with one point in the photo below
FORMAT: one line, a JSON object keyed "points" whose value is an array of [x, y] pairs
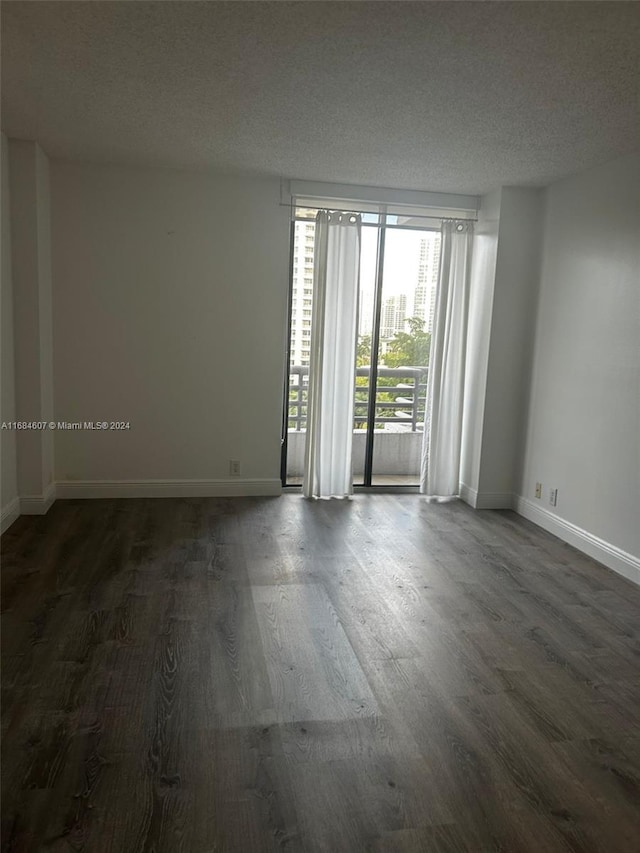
{"points": [[454, 96]]}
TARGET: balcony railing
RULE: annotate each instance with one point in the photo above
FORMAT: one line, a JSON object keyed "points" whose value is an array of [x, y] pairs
{"points": [[400, 402]]}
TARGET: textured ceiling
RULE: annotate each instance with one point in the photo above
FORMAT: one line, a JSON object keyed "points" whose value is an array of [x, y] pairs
{"points": [[453, 96]]}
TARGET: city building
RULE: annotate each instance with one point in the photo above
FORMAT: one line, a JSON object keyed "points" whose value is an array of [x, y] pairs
{"points": [[424, 296], [394, 316], [302, 292]]}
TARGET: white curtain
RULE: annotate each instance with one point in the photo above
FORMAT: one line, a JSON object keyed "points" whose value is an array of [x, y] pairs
{"points": [[328, 465], [440, 477]]}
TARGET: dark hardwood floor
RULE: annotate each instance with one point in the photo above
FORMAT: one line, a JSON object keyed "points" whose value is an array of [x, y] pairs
{"points": [[261, 674]]}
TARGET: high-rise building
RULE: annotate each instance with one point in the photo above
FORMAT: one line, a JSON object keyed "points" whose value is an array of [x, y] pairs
{"points": [[419, 302], [302, 293], [394, 316], [424, 297], [365, 311]]}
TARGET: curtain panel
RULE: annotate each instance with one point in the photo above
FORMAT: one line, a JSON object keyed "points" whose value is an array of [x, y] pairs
{"points": [[440, 472], [328, 451]]}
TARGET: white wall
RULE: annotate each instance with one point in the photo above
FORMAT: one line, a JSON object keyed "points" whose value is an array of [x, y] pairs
{"points": [[46, 313], [10, 504], [31, 274], [483, 271], [510, 339], [170, 294], [583, 432]]}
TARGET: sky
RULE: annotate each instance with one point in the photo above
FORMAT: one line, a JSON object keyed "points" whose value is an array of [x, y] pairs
{"points": [[400, 259]]}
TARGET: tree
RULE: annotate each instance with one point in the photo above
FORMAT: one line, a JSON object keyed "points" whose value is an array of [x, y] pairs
{"points": [[363, 359], [409, 348], [363, 353]]}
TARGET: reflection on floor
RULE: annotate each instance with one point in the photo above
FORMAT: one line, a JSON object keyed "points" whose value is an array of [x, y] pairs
{"points": [[377, 480]]}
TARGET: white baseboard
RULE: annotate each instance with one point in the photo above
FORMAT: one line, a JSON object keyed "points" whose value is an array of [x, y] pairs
{"points": [[468, 495], [10, 513], [494, 500], [235, 487], [615, 558], [38, 504], [485, 500]]}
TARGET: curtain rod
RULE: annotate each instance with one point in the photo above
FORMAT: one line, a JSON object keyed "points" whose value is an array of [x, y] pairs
{"points": [[372, 213]]}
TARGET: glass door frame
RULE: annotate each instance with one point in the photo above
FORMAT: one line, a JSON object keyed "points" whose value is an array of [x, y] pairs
{"points": [[375, 349], [287, 364], [382, 225]]}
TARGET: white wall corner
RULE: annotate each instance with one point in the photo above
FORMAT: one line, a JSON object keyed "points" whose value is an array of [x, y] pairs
{"points": [[486, 500], [9, 514], [232, 487], [468, 495], [32, 314], [614, 558], [38, 504]]}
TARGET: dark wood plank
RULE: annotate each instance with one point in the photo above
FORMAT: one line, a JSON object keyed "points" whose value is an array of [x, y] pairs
{"points": [[268, 674]]}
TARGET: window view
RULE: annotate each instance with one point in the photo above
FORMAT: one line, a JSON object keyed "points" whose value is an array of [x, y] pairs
{"points": [[398, 277], [300, 340], [409, 280]]}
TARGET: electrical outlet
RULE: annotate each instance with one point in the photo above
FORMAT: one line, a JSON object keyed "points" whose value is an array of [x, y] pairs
{"points": [[538, 490], [553, 497], [234, 467]]}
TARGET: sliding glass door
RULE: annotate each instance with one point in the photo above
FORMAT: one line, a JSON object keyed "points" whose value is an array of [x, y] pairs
{"points": [[398, 275], [409, 273], [365, 349]]}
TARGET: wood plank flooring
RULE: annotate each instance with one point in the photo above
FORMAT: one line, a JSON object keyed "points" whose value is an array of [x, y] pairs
{"points": [[267, 674]]}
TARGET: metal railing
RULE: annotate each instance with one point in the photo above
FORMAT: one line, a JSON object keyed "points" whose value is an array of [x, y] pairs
{"points": [[400, 402]]}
